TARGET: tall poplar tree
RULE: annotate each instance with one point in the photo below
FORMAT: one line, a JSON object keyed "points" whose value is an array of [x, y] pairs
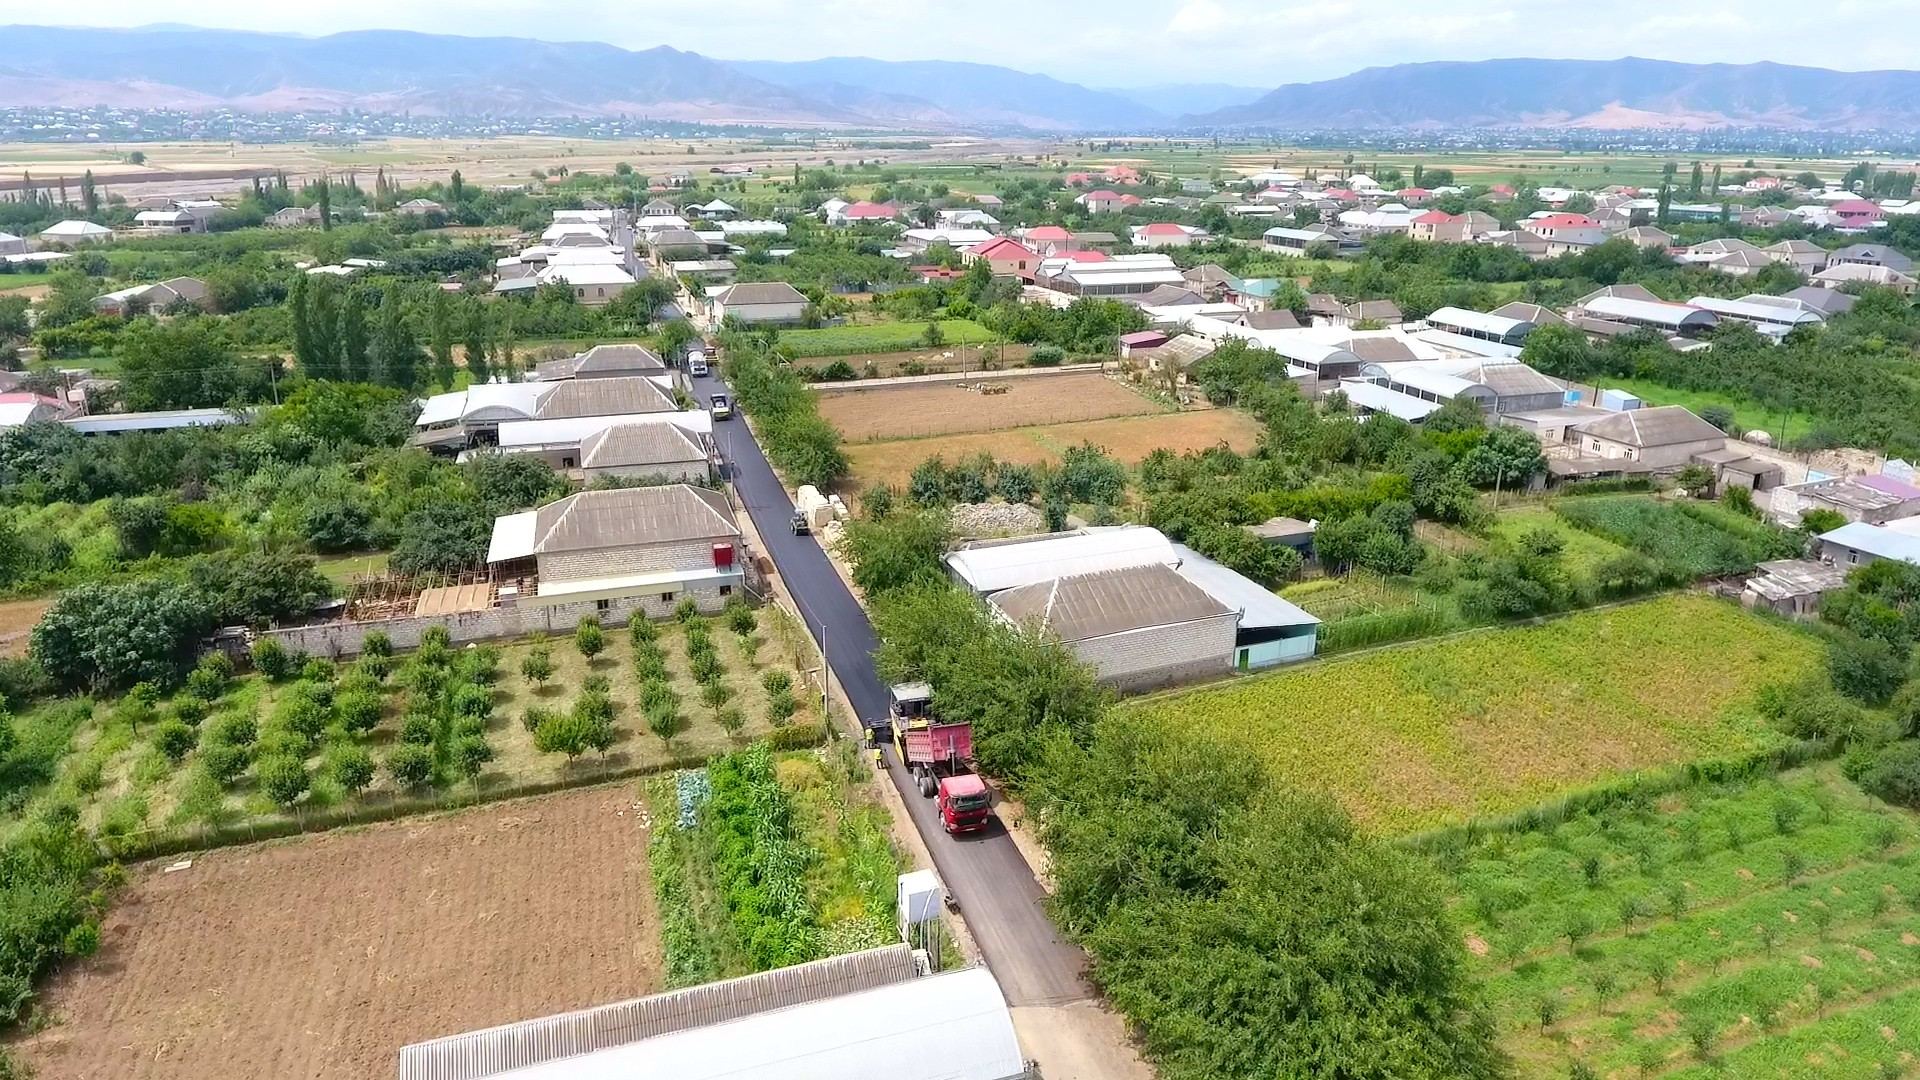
{"points": [[396, 352], [352, 339], [476, 325], [440, 340]]}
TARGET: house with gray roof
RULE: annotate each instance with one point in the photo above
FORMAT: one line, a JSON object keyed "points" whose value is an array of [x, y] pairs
{"points": [[603, 362], [758, 303], [1138, 627], [630, 451], [1665, 431], [645, 548]]}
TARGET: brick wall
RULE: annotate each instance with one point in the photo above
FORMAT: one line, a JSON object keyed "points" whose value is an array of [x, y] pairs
{"points": [[1163, 655], [641, 559], [347, 638]]}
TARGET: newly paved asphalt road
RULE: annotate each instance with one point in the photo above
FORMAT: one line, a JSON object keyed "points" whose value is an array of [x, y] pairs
{"points": [[985, 872]]}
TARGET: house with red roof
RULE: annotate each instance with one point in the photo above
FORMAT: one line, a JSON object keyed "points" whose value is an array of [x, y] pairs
{"points": [[854, 213], [1166, 234], [1414, 196], [1130, 200], [1123, 174], [1340, 194], [1046, 239], [1081, 179], [1855, 214], [1102, 201], [1566, 232], [1007, 257], [21, 407]]}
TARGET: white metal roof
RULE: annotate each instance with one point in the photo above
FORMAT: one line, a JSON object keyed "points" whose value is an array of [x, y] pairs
{"points": [[1447, 339], [991, 567], [525, 435], [75, 228], [513, 536], [1877, 540], [1477, 321], [587, 274], [1420, 375], [155, 421], [1752, 310], [1257, 605], [1648, 311], [1392, 402], [952, 1026]]}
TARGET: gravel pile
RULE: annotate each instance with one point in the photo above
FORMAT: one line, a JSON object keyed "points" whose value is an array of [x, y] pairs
{"points": [[996, 519]]}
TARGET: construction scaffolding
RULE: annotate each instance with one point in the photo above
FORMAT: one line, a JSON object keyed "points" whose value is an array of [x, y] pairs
{"points": [[397, 596]]}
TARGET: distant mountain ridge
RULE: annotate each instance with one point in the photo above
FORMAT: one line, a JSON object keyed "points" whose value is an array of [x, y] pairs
{"points": [[433, 74], [393, 70], [1630, 92]]}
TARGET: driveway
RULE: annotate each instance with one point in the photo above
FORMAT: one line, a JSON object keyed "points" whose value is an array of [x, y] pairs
{"points": [[986, 874]]}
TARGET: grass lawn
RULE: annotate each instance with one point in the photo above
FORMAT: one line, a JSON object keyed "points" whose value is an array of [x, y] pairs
{"points": [[1583, 552], [1748, 415], [1762, 929], [342, 569], [879, 337], [1438, 732], [10, 282], [126, 787]]}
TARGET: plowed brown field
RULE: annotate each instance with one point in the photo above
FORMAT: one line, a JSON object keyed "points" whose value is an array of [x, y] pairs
{"points": [[319, 957]]}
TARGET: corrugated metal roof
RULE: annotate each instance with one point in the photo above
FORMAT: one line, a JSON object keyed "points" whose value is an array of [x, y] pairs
{"points": [[754, 293], [1665, 425], [628, 516], [491, 1051], [1876, 540], [629, 445], [1109, 602], [525, 434], [989, 567], [1654, 312], [1477, 321], [1751, 310], [601, 397], [1392, 402], [1258, 607]]}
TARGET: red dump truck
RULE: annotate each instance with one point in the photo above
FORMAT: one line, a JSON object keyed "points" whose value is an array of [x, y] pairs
{"points": [[938, 756]]}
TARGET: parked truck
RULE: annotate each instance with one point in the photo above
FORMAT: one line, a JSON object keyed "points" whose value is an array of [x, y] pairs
{"points": [[939, 756]]}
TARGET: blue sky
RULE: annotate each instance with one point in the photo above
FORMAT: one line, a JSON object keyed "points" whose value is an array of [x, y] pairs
{"points": [[1115, 42]]}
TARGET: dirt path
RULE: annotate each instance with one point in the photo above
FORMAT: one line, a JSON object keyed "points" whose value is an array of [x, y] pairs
{"points": [[319, 957]]}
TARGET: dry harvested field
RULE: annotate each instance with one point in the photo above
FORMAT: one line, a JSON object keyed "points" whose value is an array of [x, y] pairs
{"points": [[16, 624], [320, 956], [1129, 438], [919, 411], [944, 359]]}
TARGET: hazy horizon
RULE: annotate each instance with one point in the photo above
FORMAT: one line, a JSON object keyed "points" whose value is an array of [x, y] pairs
{"points": [[1237, 42]]}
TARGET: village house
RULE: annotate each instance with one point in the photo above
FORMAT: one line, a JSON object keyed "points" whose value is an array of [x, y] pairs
{"points": [[629, 551], [463, 418], [1839, 275], [1875, 500], [1804, 256], [72, 233], [1006, 257], [764, 303], [419, 208], [603, 362], [294, 217], [1166, 234], [1141, 610], [160, 297]]}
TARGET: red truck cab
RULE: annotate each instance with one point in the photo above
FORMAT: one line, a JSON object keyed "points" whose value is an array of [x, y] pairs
{"points": [[964, 802]]}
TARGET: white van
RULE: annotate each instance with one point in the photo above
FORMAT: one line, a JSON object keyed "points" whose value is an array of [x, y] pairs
{"points": [[696, 363]]}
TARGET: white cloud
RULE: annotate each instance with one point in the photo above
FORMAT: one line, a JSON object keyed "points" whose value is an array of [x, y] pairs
{"points": [[1113, 42]]}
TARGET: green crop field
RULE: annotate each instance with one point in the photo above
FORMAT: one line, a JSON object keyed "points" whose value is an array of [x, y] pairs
{"points": [[1435, 733], [1584, 550], [1693, 538], [1755, 929], [880, 337]]}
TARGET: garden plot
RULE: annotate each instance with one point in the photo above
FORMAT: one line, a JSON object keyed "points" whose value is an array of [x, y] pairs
{"points": [[1128, 439], [946, 408], [320, 957], [1487, 723], [1756, 929]]}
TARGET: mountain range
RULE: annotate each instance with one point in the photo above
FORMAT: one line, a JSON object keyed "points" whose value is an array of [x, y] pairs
{"points": [[1588, 94], [434, 74]]}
